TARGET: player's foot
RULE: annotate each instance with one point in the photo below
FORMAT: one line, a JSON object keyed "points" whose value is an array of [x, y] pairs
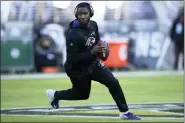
{"points": [[129, 116], [54, 103]]}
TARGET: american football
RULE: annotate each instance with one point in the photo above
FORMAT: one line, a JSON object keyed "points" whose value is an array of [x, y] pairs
{"points": [[103, 56]]}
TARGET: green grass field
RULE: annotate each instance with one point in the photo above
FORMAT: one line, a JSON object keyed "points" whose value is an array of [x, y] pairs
{"points": [[31, 93]]}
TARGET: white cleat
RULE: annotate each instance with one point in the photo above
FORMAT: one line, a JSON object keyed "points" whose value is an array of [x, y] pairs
{"points": [[54, 103]]}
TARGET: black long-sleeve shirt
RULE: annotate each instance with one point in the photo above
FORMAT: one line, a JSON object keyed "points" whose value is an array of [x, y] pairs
{"points": [[79, 41]]}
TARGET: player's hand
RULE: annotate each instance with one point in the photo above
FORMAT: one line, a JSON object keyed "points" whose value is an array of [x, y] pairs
{"points": [[96, 49], [102, 49], [102, 46]]}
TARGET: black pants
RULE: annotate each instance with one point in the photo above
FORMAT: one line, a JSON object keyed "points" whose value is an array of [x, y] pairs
{"points": [[177, 50], [81, 87]]}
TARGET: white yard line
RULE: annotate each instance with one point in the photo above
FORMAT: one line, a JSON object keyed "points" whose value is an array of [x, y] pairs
{"points": [[117, 74]]}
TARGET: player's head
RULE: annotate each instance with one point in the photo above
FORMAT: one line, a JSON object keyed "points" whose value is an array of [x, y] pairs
{"points": [[83, 12]]}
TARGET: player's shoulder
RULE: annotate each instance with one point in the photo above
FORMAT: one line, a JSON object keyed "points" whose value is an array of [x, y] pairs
{"points": [[93, 22], [74, 26]]}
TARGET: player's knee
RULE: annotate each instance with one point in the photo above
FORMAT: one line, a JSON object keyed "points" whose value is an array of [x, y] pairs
{"points": [[84, 96]]}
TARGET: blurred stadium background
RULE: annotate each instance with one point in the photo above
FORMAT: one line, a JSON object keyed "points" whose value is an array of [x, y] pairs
{"points": [[33, 34]]}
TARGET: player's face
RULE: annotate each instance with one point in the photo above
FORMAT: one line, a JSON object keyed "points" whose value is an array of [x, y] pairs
{"points": [[83, 15]]}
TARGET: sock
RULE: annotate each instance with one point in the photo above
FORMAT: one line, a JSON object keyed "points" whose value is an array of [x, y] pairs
{"points": [[124, 112], [55, 94]]}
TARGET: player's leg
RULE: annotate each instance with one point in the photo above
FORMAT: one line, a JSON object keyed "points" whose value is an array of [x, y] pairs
{"points": [[183, 61], [182, 50], [176, 54], [103, 75], [80, 91]]}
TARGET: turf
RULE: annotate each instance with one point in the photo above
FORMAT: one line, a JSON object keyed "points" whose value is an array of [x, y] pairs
{"points": [[66, 119], [26, 93], [31, 93]]}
